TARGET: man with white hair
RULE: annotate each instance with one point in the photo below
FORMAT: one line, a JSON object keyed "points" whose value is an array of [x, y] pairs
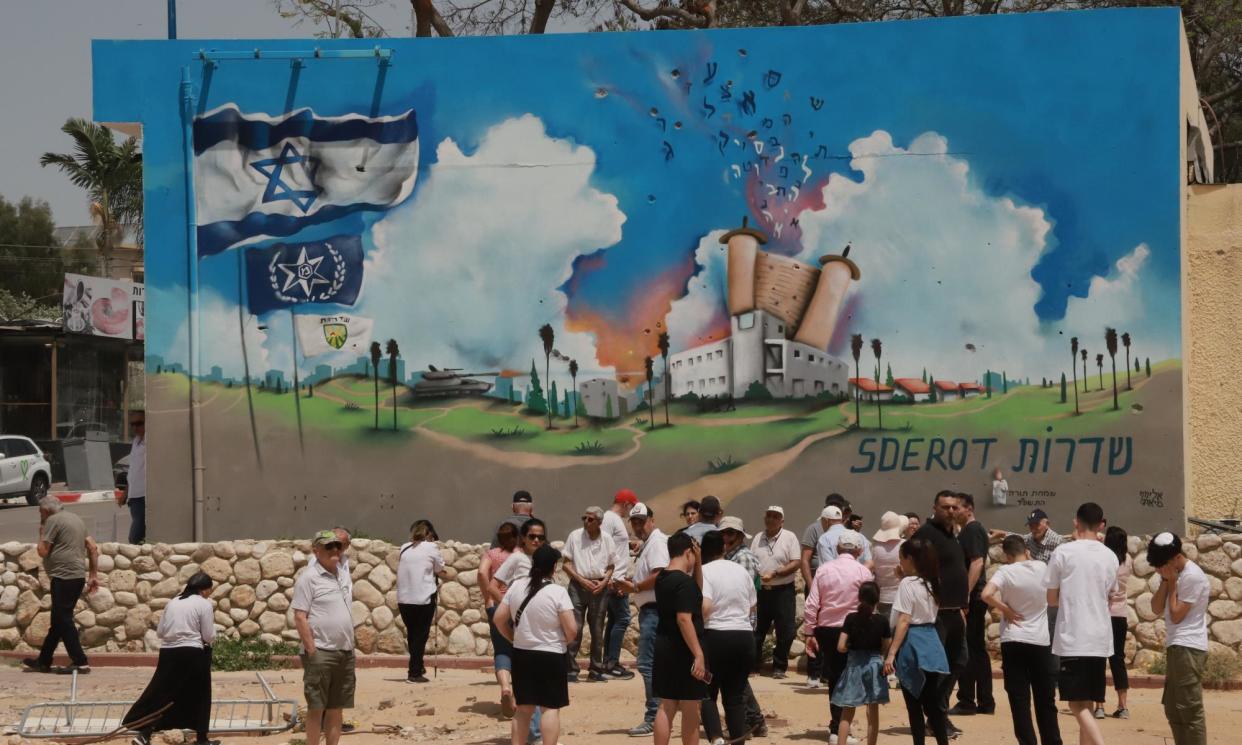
{"points": [[779, 557], [590, 558], [65, 548], [652, 557], [833, 596], [827, 546]]}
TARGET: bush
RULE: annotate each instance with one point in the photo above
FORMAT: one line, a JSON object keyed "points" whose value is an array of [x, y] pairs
{"points": [[757, 391], [249, 654], [1220, 668], [722, 464], [1158, 666], [593, 447]]}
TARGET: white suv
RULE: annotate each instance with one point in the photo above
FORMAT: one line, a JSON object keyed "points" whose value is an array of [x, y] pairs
{"points": [[23, 469]]}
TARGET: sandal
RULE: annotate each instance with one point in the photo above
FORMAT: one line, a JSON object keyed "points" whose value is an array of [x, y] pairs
{"points": [[508, 704]]}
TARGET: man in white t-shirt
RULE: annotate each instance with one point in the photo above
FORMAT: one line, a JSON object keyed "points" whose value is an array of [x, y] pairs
{"points": [[1183, 599], [729, 597], [780, 557], [590, 558], [652, 557], [1017, 592], [1080, 575], [618, 608]]}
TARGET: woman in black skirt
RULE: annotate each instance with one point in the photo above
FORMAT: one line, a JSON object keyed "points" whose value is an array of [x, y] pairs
{"points": [[679, 674], [183, 675], [537, 615]]}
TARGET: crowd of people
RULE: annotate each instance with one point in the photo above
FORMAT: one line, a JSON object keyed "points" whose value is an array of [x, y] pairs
{"points": [[904, 610]]}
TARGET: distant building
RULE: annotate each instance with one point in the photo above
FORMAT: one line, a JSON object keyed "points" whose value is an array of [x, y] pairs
{"points": [[216, 375], [602, 398], [869, 390], [970, 389], [947, 390], [912, 389]]}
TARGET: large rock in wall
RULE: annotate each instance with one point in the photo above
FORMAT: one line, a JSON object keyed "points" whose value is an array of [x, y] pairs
{"points": [[254, 585]]}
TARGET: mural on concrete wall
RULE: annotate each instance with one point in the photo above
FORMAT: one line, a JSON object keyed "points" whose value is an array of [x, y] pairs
{"points": [[764, 265]]}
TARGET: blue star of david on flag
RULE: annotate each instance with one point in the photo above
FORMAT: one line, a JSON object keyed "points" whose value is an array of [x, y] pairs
{"points": [[259, 177], [277, 188]]}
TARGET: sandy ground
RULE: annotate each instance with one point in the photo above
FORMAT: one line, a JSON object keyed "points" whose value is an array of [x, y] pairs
{"points": [[460, 706]]}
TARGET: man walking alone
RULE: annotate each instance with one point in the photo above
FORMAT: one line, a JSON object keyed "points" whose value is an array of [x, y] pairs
{"points": [[65, 547]]}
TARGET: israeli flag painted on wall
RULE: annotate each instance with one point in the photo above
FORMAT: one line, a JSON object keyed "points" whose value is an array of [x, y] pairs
{"points": [[258, 177]]}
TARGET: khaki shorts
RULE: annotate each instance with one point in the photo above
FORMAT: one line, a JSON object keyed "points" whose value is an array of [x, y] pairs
{"points": [[328, 679]]}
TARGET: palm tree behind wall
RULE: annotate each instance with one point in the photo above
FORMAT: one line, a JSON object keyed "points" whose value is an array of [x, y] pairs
{"points": [[662, 343], [1110, 343], [548, 337], [376, 353], [856, 345], [393, 353], [876, 348], [111, 174]]}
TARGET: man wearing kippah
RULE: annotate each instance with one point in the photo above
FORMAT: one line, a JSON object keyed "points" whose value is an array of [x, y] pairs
{"points": [[1183, 599], [325, 626]]}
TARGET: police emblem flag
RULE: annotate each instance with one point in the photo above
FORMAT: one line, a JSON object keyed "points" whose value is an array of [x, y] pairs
{"points": [[289, 274]]}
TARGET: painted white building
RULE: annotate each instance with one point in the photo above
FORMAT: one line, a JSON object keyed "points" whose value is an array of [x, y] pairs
{"points": [[947, 390], [912, 389], [602, 398], [869, 390]]}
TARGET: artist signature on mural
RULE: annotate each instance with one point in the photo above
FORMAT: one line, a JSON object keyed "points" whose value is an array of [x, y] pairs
{"points": [[1151, 498]]}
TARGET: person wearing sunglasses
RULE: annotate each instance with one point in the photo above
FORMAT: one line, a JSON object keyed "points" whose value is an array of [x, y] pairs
{"points": [[532, 536], [134, 495], [590, 558], [321, 613]]}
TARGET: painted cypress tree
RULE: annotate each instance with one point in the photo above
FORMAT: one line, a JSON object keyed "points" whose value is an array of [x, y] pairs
{"points": [[925, 375], [888, 376], [535, 401], [1004, 382], [987, 382], [931, 388], [554, 405], [1074, 369], [1062, 387], [1148, 364]]}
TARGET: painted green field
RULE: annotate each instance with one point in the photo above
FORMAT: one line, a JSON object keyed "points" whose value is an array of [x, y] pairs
{"points": [[469, 423]]}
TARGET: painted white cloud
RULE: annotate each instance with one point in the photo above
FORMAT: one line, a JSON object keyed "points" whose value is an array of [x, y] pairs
{"points": [[467, 272], [217, 335], [704, 300]]}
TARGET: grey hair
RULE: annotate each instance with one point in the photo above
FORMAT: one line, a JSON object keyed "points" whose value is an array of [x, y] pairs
{"points": [[596, 511], [50, 504]]}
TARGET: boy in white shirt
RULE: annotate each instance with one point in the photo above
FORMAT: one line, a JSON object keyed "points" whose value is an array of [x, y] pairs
{"points": [[1080, 575], [1017, 592], [1183, 599]]}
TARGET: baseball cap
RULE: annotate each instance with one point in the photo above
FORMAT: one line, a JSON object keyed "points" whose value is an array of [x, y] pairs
{"points": [[849, 539], [777, 509], [709, 507], [831, 512], [625, 496], [639, 510], [325, 537], [1035, 516], [733, 523], [522, 496]]}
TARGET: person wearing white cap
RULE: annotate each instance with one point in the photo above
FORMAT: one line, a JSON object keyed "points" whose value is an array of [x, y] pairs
{"points": [[885, 552], [831, 597], [827, 546], [652, 557], [810, 563], [1182, 598], [779, 557]]}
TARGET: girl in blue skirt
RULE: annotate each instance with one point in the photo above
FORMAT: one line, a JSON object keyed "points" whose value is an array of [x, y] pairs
{"points": [[865, 639]]}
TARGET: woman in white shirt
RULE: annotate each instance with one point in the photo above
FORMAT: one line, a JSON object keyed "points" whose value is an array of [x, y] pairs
{"points": [[537, 615], [183, 674], [728, 598], [417, 570], [916, 653]]}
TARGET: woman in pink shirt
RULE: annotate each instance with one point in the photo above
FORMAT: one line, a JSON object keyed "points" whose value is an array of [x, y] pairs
{"points": [[1116, 539]]}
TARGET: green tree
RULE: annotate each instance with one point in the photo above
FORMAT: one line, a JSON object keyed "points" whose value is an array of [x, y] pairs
{"points": [[856, 345], [1004, 382], [554, 404], [1110, 343], [1137, 368], [876, 348], [757, 391], [925, 375], [376, 354], [1147, 364], [548, 337], [649, 370], [1074, 370], [20, 306], [1099, 362], [573, 377], [663, 344], [931, 388], [1125, 342], [393, 353], [1063, 396], [987, 382], [888, 376], [535, 402], [1085, 383], [30, 255], [111, 174]]}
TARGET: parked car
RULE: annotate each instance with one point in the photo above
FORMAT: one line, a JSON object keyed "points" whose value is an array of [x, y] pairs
{"points": [[24, 471]]}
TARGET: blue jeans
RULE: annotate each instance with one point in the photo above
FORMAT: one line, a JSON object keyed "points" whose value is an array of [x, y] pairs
{"points": [[618, 624], [137, 520], [648, 619], [535, 734]]}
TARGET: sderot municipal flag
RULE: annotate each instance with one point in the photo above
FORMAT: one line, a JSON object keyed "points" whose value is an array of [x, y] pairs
{"points": [[327, 334], [258, 177], [288, 274]]}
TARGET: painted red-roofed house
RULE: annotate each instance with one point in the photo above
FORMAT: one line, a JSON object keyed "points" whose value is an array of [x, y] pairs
{"points": [[870, 390], [947, 390], [970, 389], [912, 389]]}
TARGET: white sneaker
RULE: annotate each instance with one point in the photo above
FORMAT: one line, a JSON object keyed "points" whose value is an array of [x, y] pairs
{"points": [[812, 682], [718, 741]]}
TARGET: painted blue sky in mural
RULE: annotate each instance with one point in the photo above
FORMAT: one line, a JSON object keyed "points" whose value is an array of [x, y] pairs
{"points": [[1003, 183]]}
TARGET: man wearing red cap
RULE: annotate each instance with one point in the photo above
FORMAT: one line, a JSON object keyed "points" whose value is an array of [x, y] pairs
{"points": [[618, 601]]}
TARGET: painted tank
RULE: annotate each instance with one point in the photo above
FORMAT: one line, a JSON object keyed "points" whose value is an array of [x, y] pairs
{"points": [[451, 382]]}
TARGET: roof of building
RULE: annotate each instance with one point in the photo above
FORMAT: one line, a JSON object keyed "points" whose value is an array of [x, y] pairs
{"points": [[870, 386], [912, 385], [971, 387], [947, 385]]}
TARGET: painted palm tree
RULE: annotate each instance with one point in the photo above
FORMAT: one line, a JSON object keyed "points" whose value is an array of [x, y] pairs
{"points": [[393, 353], [1085, 389], [573, 400], [548, 337], [376, 353], [1110, 343], [1074, 369], [856, 345], [649, 368], [876, 348], [1099, 362], [111, 174], [1125, 342], [662, 343]]}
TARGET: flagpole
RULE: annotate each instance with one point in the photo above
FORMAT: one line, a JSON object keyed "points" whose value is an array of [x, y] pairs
{"points": [[297, 389], [197, 466], [241, 326]]}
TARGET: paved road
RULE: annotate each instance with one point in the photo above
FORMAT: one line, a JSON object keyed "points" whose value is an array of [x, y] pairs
{"points": [[105, 521]]}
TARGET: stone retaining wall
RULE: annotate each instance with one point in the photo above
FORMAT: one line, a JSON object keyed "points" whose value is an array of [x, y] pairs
{"points": [[255, 583]]}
